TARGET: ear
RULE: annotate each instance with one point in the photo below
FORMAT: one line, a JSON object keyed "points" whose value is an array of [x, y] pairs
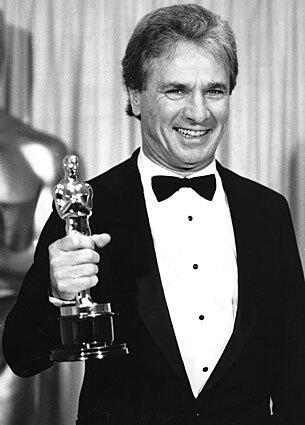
{"points": [[135, 101]]}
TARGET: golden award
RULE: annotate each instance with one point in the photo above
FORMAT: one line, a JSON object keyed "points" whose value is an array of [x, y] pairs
{"points": [[86, 327]]}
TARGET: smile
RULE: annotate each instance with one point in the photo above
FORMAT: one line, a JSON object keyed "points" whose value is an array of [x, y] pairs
{"points": [[191, 133]]}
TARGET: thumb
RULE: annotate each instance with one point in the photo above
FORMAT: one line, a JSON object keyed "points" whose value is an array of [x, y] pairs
{"points": [[101, 240]]}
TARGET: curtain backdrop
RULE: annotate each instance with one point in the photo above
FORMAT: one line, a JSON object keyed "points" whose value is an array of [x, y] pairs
{"points": [[63, 76]]}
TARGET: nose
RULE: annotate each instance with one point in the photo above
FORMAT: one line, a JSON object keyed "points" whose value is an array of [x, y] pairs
{"points": [[196, 109]]}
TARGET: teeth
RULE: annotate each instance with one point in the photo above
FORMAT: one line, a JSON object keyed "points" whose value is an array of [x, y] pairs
{"points": [[191, 133]]}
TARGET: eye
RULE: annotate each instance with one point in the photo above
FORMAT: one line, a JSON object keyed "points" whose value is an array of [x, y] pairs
{"points": [[175, 94], [216, 93]]}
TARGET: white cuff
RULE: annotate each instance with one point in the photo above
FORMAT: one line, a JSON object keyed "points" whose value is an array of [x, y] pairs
{"points": [[60, 303]]}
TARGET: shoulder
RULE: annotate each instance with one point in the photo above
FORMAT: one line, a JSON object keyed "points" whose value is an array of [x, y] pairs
{"points": [[250, 192], [118, 176]]}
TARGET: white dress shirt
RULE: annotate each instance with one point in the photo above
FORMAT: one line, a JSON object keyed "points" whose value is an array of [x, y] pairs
{"points": [[195, 248]]}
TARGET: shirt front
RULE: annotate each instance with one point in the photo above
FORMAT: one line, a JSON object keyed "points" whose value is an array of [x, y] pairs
{"points": [[195, 248]]}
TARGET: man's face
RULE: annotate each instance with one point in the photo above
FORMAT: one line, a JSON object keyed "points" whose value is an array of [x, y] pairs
{"points": [[184, 108]]}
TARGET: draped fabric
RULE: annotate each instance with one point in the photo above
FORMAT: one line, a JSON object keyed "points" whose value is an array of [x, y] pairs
{"points": [[62, 75]]}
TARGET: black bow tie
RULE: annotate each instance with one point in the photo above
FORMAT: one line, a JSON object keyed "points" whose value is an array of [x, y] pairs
{"points": [[165, 186]]}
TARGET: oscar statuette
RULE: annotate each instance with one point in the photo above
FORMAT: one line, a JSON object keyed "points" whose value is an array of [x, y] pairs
{"points": [[86, 327]]}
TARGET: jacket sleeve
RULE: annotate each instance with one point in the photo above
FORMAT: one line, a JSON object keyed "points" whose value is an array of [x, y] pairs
{"points": [[31, 328], [288, 396]]}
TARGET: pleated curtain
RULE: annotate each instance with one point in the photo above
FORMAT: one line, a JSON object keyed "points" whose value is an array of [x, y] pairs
{"points": [[62, 75]]}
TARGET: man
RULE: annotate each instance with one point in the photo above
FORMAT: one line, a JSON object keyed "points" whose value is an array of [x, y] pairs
{"points": [[205, 274]]}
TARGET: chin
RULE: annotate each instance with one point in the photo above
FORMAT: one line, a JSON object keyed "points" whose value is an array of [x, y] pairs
{"points": [[193, 161]]}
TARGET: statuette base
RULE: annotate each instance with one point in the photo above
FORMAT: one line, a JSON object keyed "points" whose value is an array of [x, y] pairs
{"points": [[93, 352], [86, 333]]}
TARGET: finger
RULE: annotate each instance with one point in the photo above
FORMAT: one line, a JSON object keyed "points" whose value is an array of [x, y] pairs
{"points": [[80, 256], [76, 272], [85, 256], [101, 240], [68, 289], [73, 242], [62, 259]]}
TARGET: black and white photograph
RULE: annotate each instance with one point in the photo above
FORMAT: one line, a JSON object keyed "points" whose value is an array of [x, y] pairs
{"points": [[152, 212]]}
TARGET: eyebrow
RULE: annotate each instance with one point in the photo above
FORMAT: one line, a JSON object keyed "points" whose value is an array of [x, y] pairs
{"points": [[170, 85], [182, 86], [218, 85]]}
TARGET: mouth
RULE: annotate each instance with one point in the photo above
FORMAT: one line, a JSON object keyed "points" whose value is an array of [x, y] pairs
{"points": [[191, 134]]}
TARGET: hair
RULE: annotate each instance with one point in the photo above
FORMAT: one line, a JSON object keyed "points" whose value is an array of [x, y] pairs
{"points": [[158, 32]]}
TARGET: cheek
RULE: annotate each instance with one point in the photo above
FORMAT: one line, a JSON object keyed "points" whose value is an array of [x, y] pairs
{"points": [[152, 113], [157, 119], [221, 115], [225, 111], [166, 110]]}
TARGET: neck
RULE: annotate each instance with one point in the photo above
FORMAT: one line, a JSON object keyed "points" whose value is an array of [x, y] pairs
{"points": [[183, 172]]}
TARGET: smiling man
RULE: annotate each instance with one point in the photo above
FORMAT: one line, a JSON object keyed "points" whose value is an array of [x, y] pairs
{"points": [[201, 264], [184, 108]]}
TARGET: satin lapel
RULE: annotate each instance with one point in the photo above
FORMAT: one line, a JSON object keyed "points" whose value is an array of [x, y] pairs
{"points": [[247, 230], [148, 295]]}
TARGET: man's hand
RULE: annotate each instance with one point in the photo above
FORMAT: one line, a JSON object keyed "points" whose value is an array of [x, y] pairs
{"points": [[73, 263]]}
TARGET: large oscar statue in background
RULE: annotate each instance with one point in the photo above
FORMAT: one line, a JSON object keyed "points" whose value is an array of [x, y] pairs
{"points": [[29, 168]]}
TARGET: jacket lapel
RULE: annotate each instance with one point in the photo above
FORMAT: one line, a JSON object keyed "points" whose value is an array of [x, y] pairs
{"points": [[246, 225], [148, 295]]}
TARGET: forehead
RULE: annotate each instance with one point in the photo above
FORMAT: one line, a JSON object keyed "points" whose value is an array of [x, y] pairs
{"points": [[186, 63]]}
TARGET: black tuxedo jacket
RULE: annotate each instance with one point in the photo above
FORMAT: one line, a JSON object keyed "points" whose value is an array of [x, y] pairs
{"points": [[265, 357]]}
